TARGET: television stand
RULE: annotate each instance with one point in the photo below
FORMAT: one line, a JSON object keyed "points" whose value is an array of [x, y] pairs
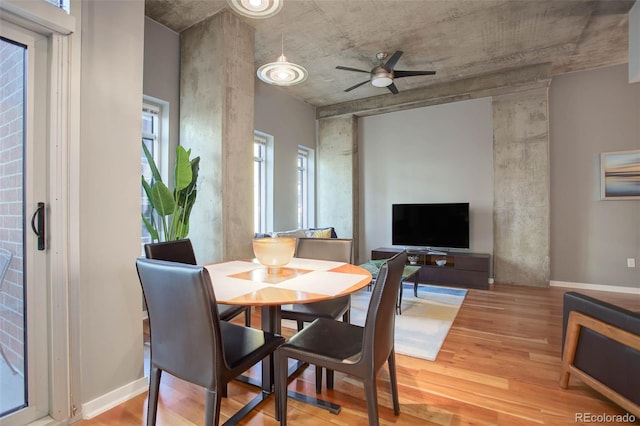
{"points": [[468, 270]]}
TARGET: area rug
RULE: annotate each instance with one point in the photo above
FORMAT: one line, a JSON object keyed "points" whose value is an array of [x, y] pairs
{"points": [[425, 320]]}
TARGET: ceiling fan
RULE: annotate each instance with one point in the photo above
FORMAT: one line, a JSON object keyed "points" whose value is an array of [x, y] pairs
{"points": [[382, 75]]}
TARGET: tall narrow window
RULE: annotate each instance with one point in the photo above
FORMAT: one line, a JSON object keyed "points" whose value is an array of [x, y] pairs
{"points": [[150, 137], [305, 178], [259, 184], [262, 182]]}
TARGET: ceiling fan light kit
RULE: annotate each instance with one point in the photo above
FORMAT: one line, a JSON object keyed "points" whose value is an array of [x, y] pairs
{"points": [[382, 75], [256, 8]]}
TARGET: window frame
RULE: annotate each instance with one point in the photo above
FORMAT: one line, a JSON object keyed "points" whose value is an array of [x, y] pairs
{"points": [[159, 137], [263, 199], [305, 187]]}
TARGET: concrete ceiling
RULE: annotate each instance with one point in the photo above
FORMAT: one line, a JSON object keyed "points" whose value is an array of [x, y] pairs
{"points": [[456, 38]]}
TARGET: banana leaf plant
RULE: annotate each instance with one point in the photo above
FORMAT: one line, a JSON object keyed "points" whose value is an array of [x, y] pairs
{"points": [[171, 209]]}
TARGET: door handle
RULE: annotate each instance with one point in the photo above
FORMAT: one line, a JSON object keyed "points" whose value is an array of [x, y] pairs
{"points": [[39, 226]]}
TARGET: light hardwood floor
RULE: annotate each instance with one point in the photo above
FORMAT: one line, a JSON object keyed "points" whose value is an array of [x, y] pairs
{"points": [[498, 366]]}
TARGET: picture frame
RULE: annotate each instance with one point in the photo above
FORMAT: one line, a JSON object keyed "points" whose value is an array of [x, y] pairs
{"points": [[620, 175]]}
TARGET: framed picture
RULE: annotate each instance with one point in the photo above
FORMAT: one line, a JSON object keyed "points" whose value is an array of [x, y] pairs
{"points": [[620, 175]]}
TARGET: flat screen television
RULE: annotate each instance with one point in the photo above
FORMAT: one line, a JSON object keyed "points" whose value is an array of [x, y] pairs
{"points": [[441, 225]]}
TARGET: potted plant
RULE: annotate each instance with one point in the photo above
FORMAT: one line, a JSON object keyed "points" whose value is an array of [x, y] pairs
{"points": [[171, 209]]}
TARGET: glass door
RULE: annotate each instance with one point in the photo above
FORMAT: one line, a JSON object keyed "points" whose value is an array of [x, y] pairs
{"points": [[24, 334]]}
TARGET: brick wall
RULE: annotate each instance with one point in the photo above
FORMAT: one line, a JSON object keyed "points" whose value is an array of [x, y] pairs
{"points": [[11, 201]]}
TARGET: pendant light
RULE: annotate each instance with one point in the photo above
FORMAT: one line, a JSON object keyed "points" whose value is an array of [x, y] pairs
{"points": [[259, 9], [282, 72]]}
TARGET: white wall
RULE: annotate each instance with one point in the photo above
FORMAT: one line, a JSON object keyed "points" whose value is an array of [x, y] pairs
{"points": [[110, 318], [434, 154], [291, 122], [592, 112]]}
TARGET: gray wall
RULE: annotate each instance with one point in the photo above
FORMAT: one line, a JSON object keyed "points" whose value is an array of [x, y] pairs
{"points": [[291, 122], [162, 74], [110, 320], [592, 112], [427, 155]]}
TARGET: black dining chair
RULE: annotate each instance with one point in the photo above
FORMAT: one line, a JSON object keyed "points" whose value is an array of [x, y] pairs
{"points": [[188, 339], [351, 349], [182, 251], [334, 249]]}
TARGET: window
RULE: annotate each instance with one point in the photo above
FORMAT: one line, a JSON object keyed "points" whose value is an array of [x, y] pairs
{"points": [[305, 178], [262, 182], [62, 4], [150, 137]]}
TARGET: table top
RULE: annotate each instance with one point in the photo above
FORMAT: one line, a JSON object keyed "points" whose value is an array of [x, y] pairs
{"points": [[246, 282]]}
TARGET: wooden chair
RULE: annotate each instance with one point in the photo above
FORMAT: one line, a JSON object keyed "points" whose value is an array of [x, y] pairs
{"points": [[602, 348], [182, 251], [188, 339], [334, 249], [351, 349]]}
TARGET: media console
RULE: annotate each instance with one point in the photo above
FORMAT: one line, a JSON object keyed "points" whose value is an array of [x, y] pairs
{"points": [[469, 270]]}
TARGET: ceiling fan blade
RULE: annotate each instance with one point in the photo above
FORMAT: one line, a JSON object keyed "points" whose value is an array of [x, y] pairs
{"points": [[350, 69], [393, 60], [393, 89], [356, 86], [398, 74]]}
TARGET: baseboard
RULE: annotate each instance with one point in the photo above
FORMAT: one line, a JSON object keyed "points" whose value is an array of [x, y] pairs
{"points": [[113, 398], [596, 287]]}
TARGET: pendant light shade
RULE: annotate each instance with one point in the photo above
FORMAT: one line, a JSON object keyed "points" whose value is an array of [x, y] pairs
{"points": [[282, 72], [256, 8]]}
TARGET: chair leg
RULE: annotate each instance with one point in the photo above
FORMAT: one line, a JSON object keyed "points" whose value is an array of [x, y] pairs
{"points": [[329, 379], [300, 325], [212, 408], [152, 400], [319, 378], [247, 317], [347, 317], [280, 371], [371, 394], [393, 380]]}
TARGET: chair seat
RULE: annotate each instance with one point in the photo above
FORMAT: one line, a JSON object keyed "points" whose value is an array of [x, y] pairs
{"points": [[327, 340], [307, 312], [242, 343], [228, 312]]}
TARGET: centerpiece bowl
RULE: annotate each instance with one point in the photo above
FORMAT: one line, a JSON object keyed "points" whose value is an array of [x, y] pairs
{"points": [[274, 252]]}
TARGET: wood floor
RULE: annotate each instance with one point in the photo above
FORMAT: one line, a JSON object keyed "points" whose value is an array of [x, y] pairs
{"points": [[498, 366]]}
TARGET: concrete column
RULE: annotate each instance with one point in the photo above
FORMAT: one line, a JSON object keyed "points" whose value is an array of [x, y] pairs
{"points": [[521, 185], [216, 122], [337, 176]]}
